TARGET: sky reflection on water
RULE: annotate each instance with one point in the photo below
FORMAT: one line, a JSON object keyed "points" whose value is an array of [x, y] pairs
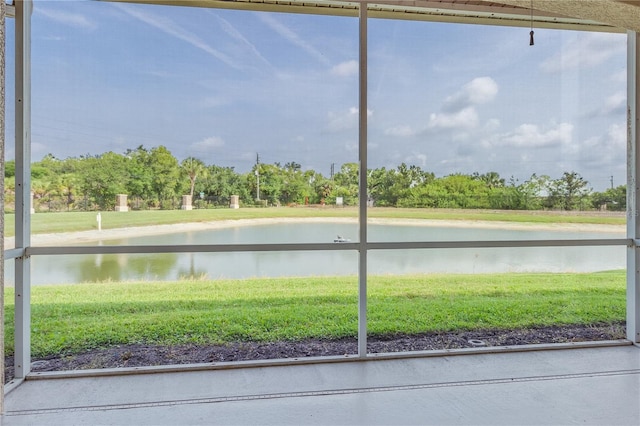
{"points": [[66, 269]]}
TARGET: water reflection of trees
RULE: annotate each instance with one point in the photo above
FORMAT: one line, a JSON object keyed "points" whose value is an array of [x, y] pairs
{"points": [[192, 271], [123, 266]]}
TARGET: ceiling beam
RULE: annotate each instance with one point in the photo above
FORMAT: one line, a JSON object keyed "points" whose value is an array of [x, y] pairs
{"points": [[451, 11], [622, 14]]}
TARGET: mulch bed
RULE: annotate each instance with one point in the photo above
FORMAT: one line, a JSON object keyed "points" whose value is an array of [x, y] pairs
{"points": [[138, 355]]}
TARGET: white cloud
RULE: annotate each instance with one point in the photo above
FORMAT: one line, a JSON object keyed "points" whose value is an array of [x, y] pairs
{"points": [[617, 137], [292, 37], [587, 51], [346, 69], [459, 110], [606, 151], [208, 144], [465, 118], [70, 19], [530, 136], [480, 90]]}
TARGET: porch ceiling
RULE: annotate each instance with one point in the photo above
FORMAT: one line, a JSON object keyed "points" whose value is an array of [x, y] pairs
{"points": [[590, 15]]}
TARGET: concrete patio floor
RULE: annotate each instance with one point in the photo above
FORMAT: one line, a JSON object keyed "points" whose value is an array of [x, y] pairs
{"points": [[592, 385]]}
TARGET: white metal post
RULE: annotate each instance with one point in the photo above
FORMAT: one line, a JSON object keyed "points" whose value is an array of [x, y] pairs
{"points": [[633, 188], [362, 188], [23, 188], [2, 133]]}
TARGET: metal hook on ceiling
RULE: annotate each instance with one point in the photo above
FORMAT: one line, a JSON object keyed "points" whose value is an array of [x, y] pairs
{"points": [[531, 33]]}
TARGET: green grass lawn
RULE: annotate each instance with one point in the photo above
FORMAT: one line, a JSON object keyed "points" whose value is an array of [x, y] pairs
{"points": [[82, 221], [74, 318], [78, 317]]}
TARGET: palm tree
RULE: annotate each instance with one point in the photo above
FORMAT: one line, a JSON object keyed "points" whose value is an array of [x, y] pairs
{"points": [[193, 168], [491, 179]]}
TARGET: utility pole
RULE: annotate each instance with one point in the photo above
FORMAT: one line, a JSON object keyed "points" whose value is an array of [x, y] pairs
{"points": [[611, 178], [333, 165], [257, 177]]}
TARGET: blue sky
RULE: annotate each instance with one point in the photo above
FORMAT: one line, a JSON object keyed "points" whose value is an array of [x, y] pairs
{"points": [[225, 85]]}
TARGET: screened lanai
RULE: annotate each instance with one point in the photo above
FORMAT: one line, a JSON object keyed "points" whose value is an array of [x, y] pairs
{"points": [[365, 248]]}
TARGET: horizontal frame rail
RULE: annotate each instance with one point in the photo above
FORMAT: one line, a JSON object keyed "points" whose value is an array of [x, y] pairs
{"points": [[13, 253], [501, 244], [227, 248]]}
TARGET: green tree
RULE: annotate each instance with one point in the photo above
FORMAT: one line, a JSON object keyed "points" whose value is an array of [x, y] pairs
{"points": [[297, 185], [535, 192], [103, 177], [379, 183], [165, 175], [139, 175], [569, 191], [193, 169], [10, 169], [69, 186], [293, 167], [346, 184], [9, 191], [491, 179], [405, 181], [614, 199], [221, 183], [271, 182], [323, 188], [499, 195], [56, 181], [514, 196], [465, 192], [453, 191]]}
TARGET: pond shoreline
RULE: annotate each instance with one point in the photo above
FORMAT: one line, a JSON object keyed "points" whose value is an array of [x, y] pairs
{"points": [[80, 237]]}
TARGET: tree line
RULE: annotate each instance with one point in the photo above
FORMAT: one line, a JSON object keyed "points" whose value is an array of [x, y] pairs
{"points": [[155, 179]]}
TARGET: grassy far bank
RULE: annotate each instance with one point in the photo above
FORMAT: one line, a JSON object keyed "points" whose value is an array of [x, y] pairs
{"points": [[74, 318], [83, 221]]}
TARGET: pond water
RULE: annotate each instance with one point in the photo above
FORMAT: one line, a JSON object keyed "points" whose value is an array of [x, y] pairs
{"points": [[172, 266]]}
